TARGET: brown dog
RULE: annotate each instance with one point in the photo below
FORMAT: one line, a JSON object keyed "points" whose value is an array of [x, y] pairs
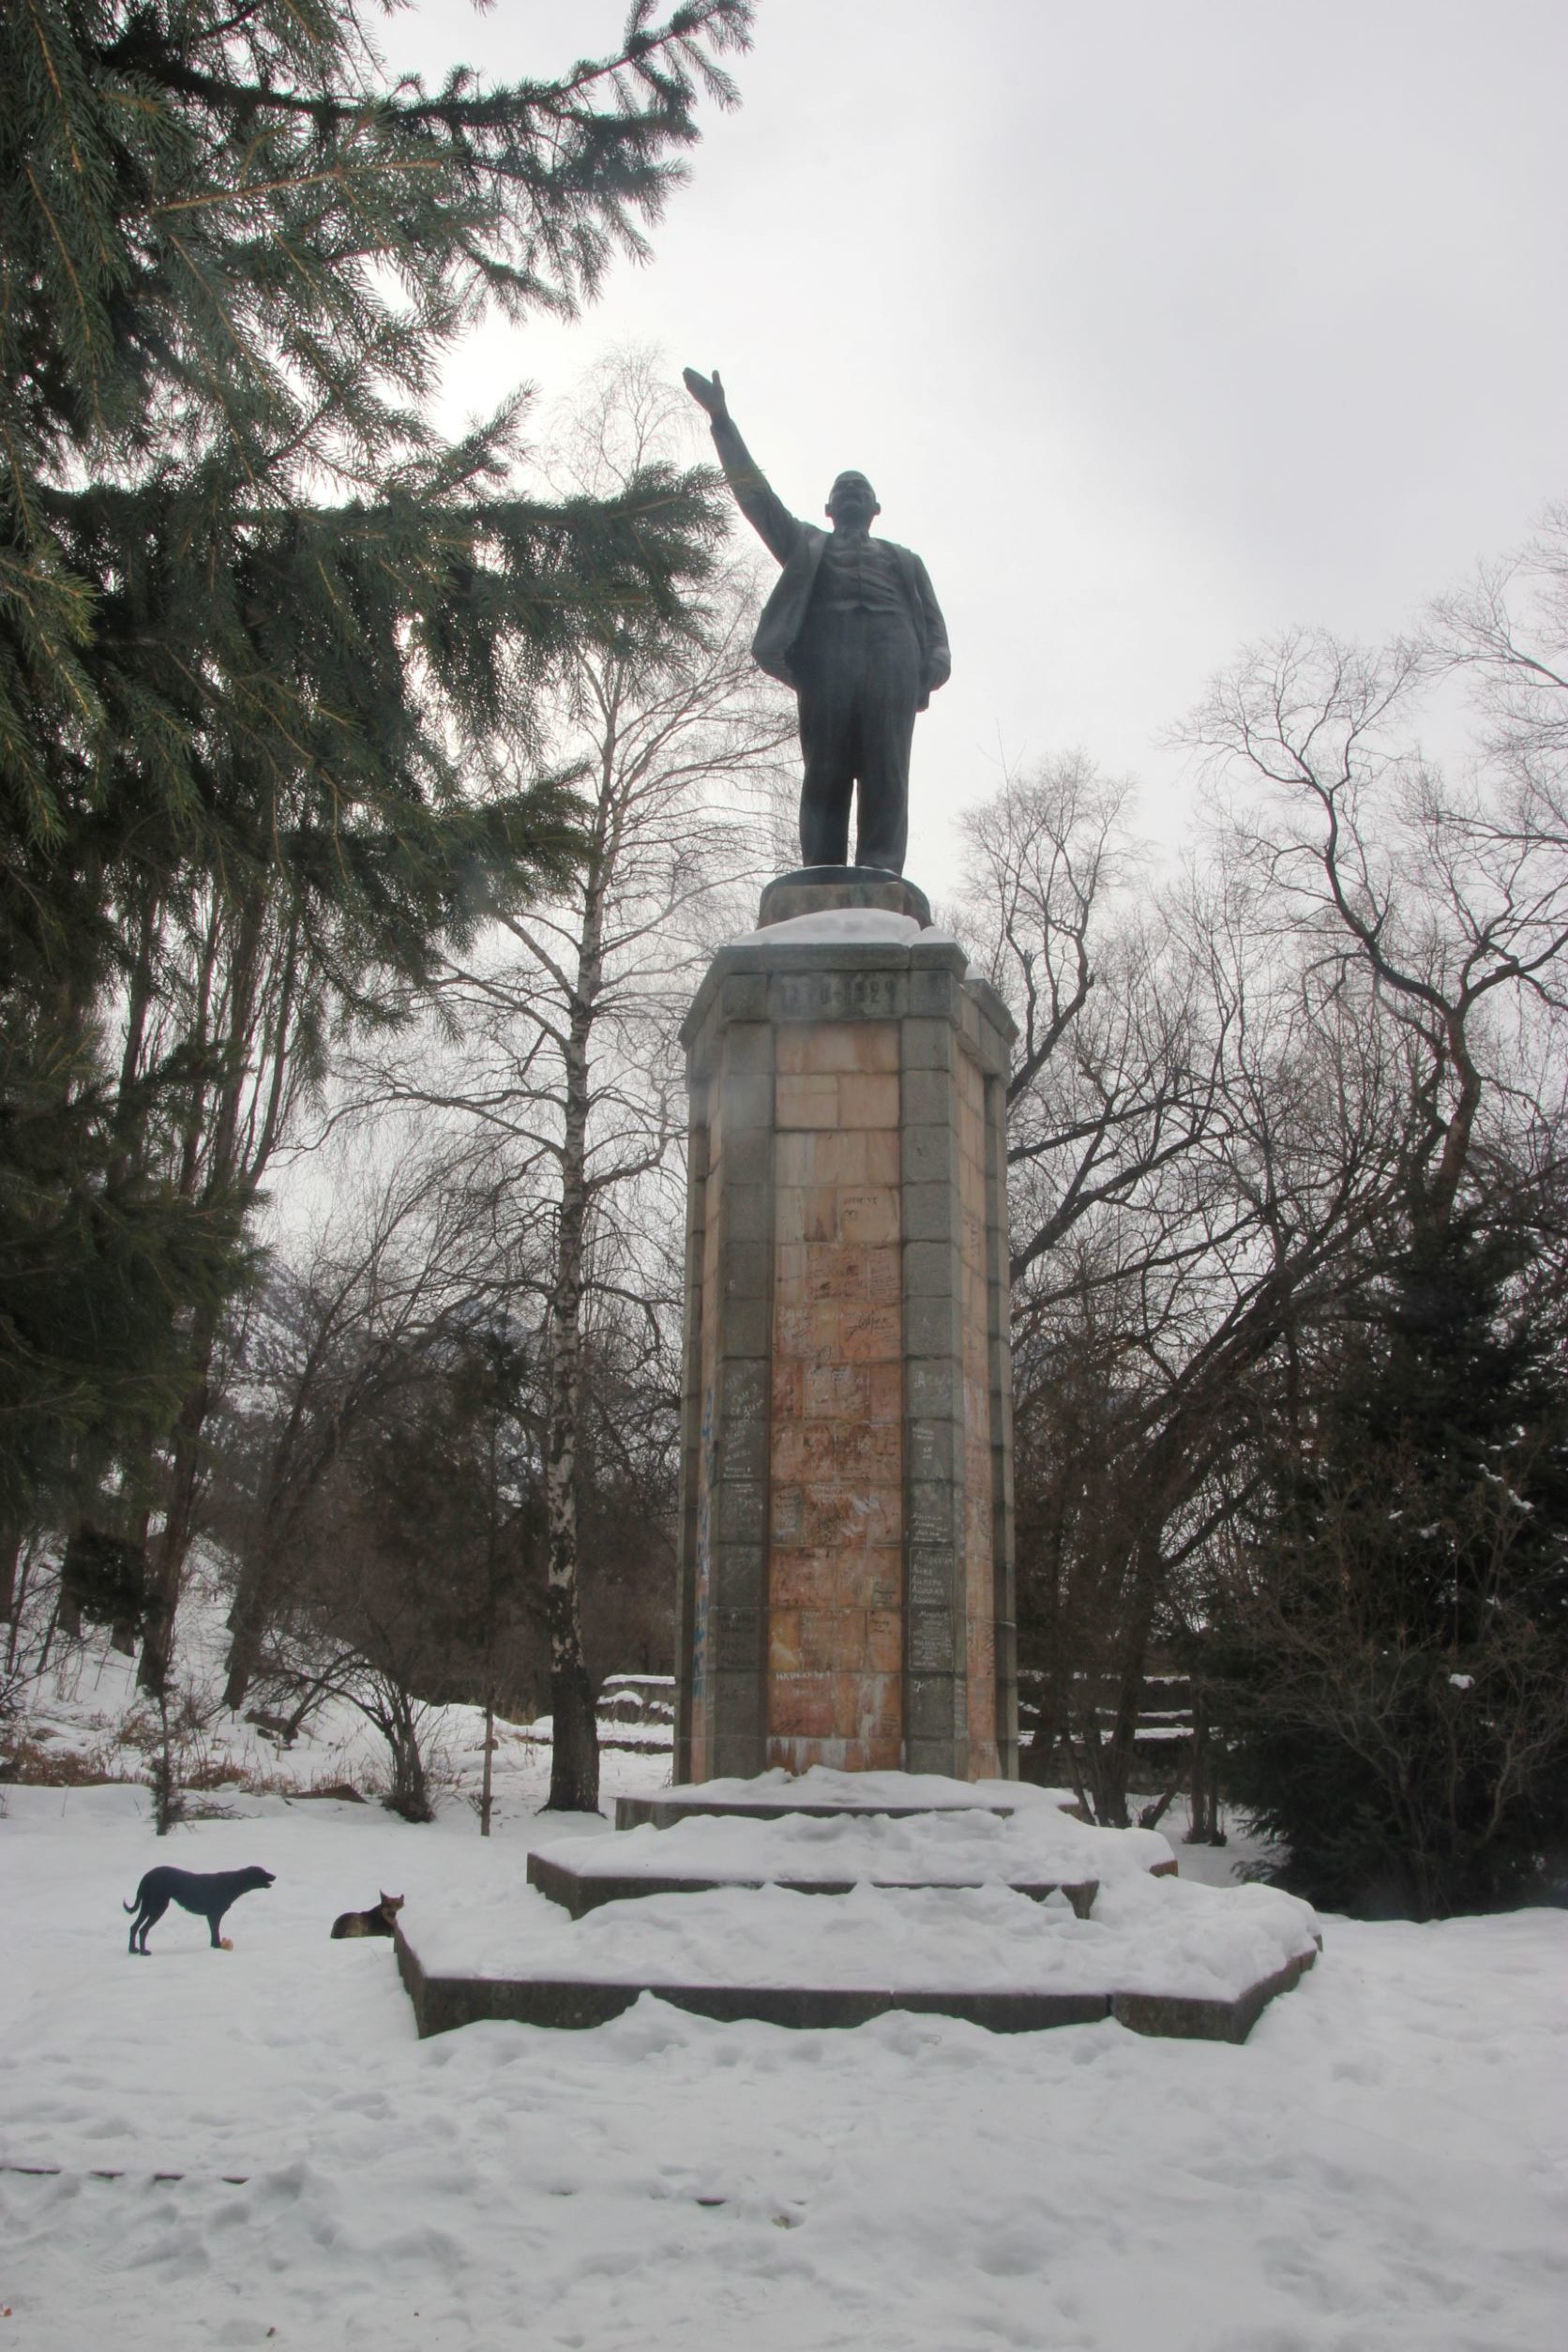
{"points": [[375, 1922]]}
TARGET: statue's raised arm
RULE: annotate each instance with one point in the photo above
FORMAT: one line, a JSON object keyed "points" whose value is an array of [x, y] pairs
{"points": [[766, 512], [854, 628]]}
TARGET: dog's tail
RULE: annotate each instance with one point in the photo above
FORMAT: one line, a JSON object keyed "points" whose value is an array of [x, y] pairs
{"points": [[130, 1906]]}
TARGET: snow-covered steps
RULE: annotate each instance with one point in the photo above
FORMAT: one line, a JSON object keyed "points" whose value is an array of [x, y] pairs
{"points": [[1036, 1850], [1011, 1915], [580, 1888], [829, 1794], [1160, 1956]]}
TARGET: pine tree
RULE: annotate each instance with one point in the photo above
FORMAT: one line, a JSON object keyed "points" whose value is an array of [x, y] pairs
{"points": [[261, 629], [1394, 1680]]}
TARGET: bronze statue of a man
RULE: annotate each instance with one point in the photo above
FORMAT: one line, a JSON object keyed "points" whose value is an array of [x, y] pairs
{"points": [[854, 626]]}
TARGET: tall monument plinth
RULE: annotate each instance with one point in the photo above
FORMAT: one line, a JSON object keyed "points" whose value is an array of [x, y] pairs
{"points": [[846, 1586]]}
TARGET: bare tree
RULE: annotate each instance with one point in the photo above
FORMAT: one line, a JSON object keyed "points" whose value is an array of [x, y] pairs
{"points": [[1449, 893], [1200, 1142], [566, 1074], [390, 1272]]}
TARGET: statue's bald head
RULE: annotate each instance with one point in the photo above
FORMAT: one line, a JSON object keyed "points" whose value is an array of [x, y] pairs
{"points": [[851, 502]]}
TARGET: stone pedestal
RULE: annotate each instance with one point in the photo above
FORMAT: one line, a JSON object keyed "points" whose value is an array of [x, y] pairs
{"points": [[846, 1588]]}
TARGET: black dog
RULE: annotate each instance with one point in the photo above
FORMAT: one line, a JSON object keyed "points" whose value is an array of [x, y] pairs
{"points": [[207, 1892]]}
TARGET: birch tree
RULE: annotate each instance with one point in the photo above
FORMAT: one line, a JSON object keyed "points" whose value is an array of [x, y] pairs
{"points": [[566, 1071]]}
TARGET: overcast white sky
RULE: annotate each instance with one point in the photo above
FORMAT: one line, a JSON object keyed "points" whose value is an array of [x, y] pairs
{"points": [[1158, 327]]}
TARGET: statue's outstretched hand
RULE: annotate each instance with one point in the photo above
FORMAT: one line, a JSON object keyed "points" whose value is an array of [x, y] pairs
{"points": [[707, 391]]}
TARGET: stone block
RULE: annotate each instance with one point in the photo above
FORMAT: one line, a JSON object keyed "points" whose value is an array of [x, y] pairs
{"points": [[933, 1327], [789, 1215], [803, 1450], [885, 1641], [847, 1519], [835, 1271], [819, 1344], [933, 1576], [926, 1044], [928, 1098], [791, 1322], [832, 1642], [930, 1152], [878, 1577], [929, 1449], [807, 1102], [870, 1334], [836, 1392], [820, 1213], [935, 995], [743, 1389], [884, 1394], [859, 1706], [784, 1653], [734, 1700], [745, 1102], [787, 1514], [866, 1453], [795, 1159], [747, 1049], [935, 1511], [933, 1649], [861, 1047], [868, 1213], [928, 1705], [735, 1639], [743, 1450], [837, 982], [932, 1270], [867, 1102], [935, 1389], [738, 1573], [748, 1212], [930, 1213], [744, 1270], [741, 1512], [885, 1275], [880, 1156], [805, 1580], [802, 1706], [738, 1751], [749, 1157], [748, 1327], [743, 997]]}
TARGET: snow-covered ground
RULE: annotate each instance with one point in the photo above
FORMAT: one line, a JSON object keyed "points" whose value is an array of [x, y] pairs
{"points": [[85, 1713], [1381, 2164]]}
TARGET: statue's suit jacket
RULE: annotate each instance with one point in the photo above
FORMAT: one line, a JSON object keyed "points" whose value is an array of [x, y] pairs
{"points": [[799, 548]]}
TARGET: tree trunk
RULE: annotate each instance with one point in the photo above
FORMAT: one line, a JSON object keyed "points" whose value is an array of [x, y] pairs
{"points": [[247, 1624], [484, 1784], [409, 1794], [211, 1167], [574, 1773], [10, 1555], [1138, 1631], [19, 1601], [166, 1556]]}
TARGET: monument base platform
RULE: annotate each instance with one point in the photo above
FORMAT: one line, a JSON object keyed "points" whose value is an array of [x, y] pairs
{"points": [[822, 1793], [1015, 1922], [824, 889]]}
